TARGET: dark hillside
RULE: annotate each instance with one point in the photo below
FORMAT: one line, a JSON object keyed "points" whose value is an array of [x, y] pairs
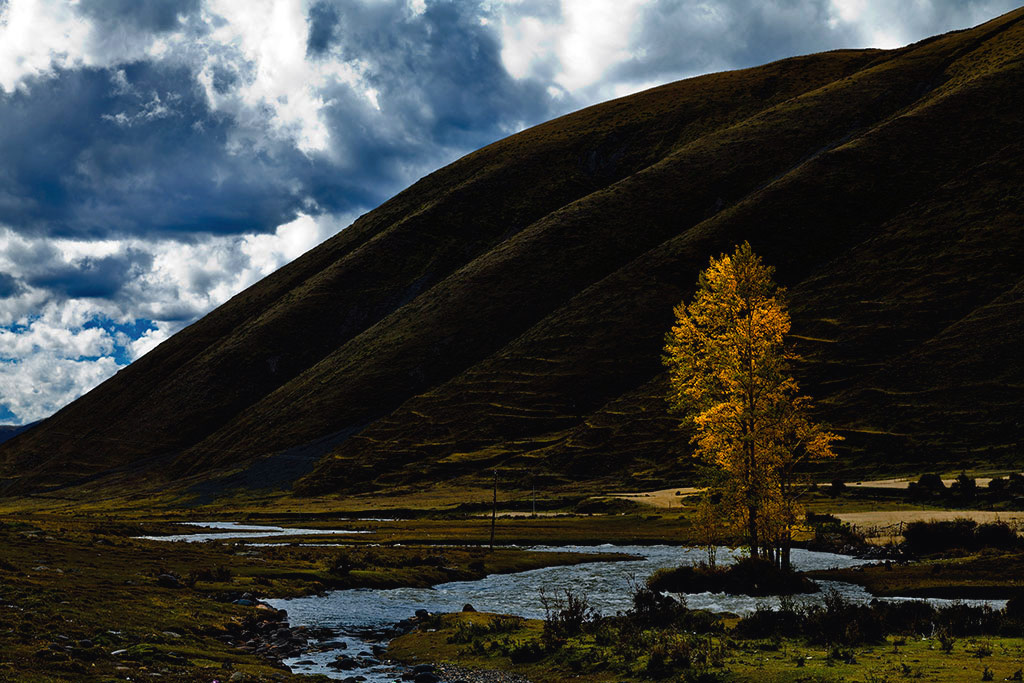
{"points": [[509, 309]]}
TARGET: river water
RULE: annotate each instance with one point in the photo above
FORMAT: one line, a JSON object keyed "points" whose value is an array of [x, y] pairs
{"points": [[355, 615], [607, 586], [236, 531]]}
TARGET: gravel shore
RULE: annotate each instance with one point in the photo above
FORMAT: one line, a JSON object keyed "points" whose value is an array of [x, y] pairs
{"points": [[453, 672]]}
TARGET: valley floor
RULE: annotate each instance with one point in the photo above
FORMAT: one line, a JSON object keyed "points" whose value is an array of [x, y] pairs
{"points": [[82, 599]]}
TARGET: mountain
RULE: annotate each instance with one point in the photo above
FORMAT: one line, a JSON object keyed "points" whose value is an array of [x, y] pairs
{"points": [[509, 309], [8, 432]]}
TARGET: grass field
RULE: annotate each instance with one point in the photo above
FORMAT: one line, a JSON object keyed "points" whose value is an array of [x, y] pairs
{"points": [[781, 660]]}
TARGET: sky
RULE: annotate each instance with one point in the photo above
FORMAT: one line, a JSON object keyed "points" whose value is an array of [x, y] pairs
{"points": [[159, 156]]}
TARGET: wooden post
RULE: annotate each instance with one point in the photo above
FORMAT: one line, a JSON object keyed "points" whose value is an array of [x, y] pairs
{"points": [[494, 509], [533, 481]]}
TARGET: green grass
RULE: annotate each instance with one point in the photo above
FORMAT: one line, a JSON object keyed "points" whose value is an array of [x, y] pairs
{"points": [[784, 660], [989, 574]]}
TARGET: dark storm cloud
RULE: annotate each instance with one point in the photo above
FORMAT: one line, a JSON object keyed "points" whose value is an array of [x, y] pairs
{"points": [[691, 36], [155, 16], [92, 277], [323, 19], [439, 80], [137, 151], [9, 286]]}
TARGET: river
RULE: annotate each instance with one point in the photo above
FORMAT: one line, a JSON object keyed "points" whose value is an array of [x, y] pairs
{"points": [[354, 615]]}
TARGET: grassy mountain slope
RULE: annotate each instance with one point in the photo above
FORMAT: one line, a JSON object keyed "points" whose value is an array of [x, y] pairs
{"points": [[509, 308]]}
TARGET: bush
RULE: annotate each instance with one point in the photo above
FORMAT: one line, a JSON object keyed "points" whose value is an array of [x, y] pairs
{"points": [[964, 487], [565, 617], [926, 538], [746, 577], [653, 609], [833, 534]]}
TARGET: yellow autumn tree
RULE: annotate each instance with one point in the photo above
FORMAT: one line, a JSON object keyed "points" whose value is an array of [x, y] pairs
{"points": [[731, 380]]}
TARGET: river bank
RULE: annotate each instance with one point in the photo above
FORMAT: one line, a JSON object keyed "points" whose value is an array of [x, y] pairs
{"points": [[81, 599]]}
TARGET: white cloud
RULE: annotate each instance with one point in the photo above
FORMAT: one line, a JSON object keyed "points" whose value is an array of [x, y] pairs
{"points": [[36, 36], [48, 357], [152, 338], [38, 385]]}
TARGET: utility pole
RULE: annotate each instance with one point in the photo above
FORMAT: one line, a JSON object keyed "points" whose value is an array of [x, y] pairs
{"points": [[533, 482], [494, 509]]}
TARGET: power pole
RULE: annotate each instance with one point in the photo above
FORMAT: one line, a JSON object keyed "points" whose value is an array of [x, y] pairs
{"points": [[533, 482], [494, 509]]}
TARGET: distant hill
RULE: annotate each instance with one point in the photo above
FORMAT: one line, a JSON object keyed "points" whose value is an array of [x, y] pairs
{"points": [[509, 309], [8, 432]]}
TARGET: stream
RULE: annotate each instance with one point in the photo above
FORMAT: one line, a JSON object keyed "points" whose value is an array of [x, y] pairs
{"points": [[237, 531], [358, 616]]}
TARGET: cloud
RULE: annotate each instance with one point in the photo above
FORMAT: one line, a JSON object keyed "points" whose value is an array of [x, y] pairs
{"points": [[40, 384], [81, 309], [9, 286], [156, 16], [92, 277]]}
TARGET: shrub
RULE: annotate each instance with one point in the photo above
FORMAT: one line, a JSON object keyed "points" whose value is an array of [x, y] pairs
{"points": [[565, 617], [996, 535], [925, 538], [964, 487], [746, 577], [651, 608]]}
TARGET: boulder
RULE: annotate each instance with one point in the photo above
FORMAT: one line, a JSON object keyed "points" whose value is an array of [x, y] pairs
{"points": [[168, 581]]}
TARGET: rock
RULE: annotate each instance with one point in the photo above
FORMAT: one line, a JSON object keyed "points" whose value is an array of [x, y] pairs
{"points": [[168, 581], [426, 677], [238, 677], [343, 663], [468, 608], [422, 614], [244, 602], [305, 662], [85, 643], [424, 669]]}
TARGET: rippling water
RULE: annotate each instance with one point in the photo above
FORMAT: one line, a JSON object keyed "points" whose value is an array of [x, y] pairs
{"points": [[606, 584]]}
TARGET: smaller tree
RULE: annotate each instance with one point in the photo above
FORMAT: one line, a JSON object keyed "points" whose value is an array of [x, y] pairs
{"points": [[710, 520]]}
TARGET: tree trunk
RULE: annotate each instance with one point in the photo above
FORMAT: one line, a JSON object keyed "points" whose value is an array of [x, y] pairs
{"points": [[752, 530]]}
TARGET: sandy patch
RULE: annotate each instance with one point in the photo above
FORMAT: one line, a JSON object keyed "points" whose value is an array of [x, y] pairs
{"points": [[665, 498]]}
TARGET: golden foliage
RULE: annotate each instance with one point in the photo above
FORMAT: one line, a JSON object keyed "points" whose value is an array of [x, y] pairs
{"points": [[730, 377]]}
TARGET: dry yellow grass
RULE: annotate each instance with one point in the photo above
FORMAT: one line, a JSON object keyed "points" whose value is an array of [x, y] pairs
{"points": [[664, 498]]}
